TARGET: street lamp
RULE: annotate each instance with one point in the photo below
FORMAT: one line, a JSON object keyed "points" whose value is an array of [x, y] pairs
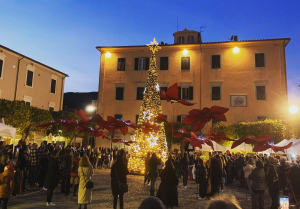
{"points": [[293, 109], [90, 108]]}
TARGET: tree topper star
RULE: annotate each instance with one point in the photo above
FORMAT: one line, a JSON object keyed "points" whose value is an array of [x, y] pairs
{"points": [[154, 46]]}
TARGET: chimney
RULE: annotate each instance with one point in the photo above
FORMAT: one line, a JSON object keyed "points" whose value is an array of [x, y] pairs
{"points": [[234, 38]]}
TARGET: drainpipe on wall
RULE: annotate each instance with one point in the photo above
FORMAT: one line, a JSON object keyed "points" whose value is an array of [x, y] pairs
{"points": [[61, 92], [17, 78]]}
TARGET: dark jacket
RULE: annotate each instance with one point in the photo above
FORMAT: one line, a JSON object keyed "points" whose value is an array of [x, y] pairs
{"points": [[230, 167], [184, 164], [52, 177], [216, 172], [44, 161], [118, 174], [167, 191], [66, 165], [258, 179], [153, 163]]}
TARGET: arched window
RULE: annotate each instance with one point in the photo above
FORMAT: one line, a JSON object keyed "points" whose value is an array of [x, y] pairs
{"points": [[181, 40], [190, 39]]}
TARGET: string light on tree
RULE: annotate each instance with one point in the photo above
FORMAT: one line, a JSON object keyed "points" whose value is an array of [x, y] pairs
{"points": [[153, 142]]}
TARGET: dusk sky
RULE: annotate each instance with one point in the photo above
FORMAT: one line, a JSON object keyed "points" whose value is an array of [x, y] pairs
{"points": [[64, 33]]}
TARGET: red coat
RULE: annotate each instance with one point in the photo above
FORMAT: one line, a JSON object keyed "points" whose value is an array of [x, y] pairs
{"points": [[6, 183], [75, 160]]}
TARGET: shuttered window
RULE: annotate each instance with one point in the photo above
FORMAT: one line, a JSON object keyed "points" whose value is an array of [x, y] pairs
{"points": [[121, 64], [141, 63], [164, 62], [119, 93], [119, 116], [186, 93], [260, 60], [161, 89], [1, 67], [53, 86], [215, 93], [260, 92], [215, 61], [139, 93], [29, 79], [185, 63]]}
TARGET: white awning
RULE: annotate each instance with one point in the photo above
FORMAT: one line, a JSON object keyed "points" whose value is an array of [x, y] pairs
{"points": [[7, 130]]}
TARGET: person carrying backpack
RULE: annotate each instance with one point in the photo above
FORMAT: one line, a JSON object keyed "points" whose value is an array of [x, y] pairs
{"points": [[74, 173]]}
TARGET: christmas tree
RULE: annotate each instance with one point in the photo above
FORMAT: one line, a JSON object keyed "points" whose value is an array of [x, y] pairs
{"points": [[153, 141]]}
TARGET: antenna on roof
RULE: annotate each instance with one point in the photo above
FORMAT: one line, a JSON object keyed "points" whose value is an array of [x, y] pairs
{"points": [[177, 23], [200, 37]]}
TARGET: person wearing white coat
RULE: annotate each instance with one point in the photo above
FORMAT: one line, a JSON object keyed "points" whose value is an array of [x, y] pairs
{"points": [[85, 173]]}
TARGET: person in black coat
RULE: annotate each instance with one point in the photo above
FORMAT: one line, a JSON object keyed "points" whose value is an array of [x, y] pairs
{"points": [[215, 175], [273, 183], [52, 177], [44, 161], [184, 163], [167, 191], [153, 172], [229, 169], [201, 178], [118, 174], [66, 172]]}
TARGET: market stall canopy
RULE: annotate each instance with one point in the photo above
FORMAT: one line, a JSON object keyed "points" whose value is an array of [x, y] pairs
{"points": [[241, 148], [217, 147], [7, 130], [294, 149]]}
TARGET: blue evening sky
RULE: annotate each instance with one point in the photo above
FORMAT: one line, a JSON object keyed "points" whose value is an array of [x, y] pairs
{"points": [[64, 33]]}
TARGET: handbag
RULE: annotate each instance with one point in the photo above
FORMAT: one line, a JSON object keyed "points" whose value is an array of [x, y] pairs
{"points": [[123, 187], [88, 184]]}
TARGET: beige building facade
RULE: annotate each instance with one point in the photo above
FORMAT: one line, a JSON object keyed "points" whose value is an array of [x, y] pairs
{"points": [[25, 79], [248, 77]]}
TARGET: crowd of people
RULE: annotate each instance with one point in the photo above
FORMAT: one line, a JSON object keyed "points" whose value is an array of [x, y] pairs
{"points": [[260, 174], [49, 165]]}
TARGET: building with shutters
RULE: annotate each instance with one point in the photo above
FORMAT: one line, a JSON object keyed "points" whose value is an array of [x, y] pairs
{"points": [[23, 78], [248, 77]]}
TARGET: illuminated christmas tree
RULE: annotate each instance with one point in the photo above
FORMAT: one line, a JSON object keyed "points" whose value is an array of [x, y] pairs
{"points": [[152, 140]]}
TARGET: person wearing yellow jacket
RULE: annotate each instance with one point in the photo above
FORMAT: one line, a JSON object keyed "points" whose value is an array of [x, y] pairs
{"points": [[6, 185]]}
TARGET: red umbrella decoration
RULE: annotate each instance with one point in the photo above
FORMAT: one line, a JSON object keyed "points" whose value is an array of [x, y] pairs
{"points": [[171, 95], [218, 137], [262, 143], [198, 118], [198, 142], [179, 133]]}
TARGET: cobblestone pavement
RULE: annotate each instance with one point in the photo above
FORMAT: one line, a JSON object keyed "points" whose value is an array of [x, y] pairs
{"points": [[102, 197]]}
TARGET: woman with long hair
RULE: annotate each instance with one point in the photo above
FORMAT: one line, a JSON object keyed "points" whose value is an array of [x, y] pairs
{"points": [[215, 175], [184, 164], [247, 170], [167, 191], [201, 178], [118, 175], [85, 173], [273, 183]]}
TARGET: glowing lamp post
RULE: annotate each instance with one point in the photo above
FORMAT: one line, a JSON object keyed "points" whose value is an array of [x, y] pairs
{"points": [[293, 109], [236, 50], [90, 109]]}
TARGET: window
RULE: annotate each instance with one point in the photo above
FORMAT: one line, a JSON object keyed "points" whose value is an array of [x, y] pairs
{"points": [[51, 106], [1, 67], [121, 64], [29, 79], [215, 61], [181, 40], [185, 63], [216, 93], [118, 116], [260, 92], [185, 93], [141, 63], [140, 93], [53, 86], [136, 119], [180, 118], [164, 63], [27, 100], [163, 88], [51, 109], [119, 93], [261, 118], [190, 39], [259, 60]]}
